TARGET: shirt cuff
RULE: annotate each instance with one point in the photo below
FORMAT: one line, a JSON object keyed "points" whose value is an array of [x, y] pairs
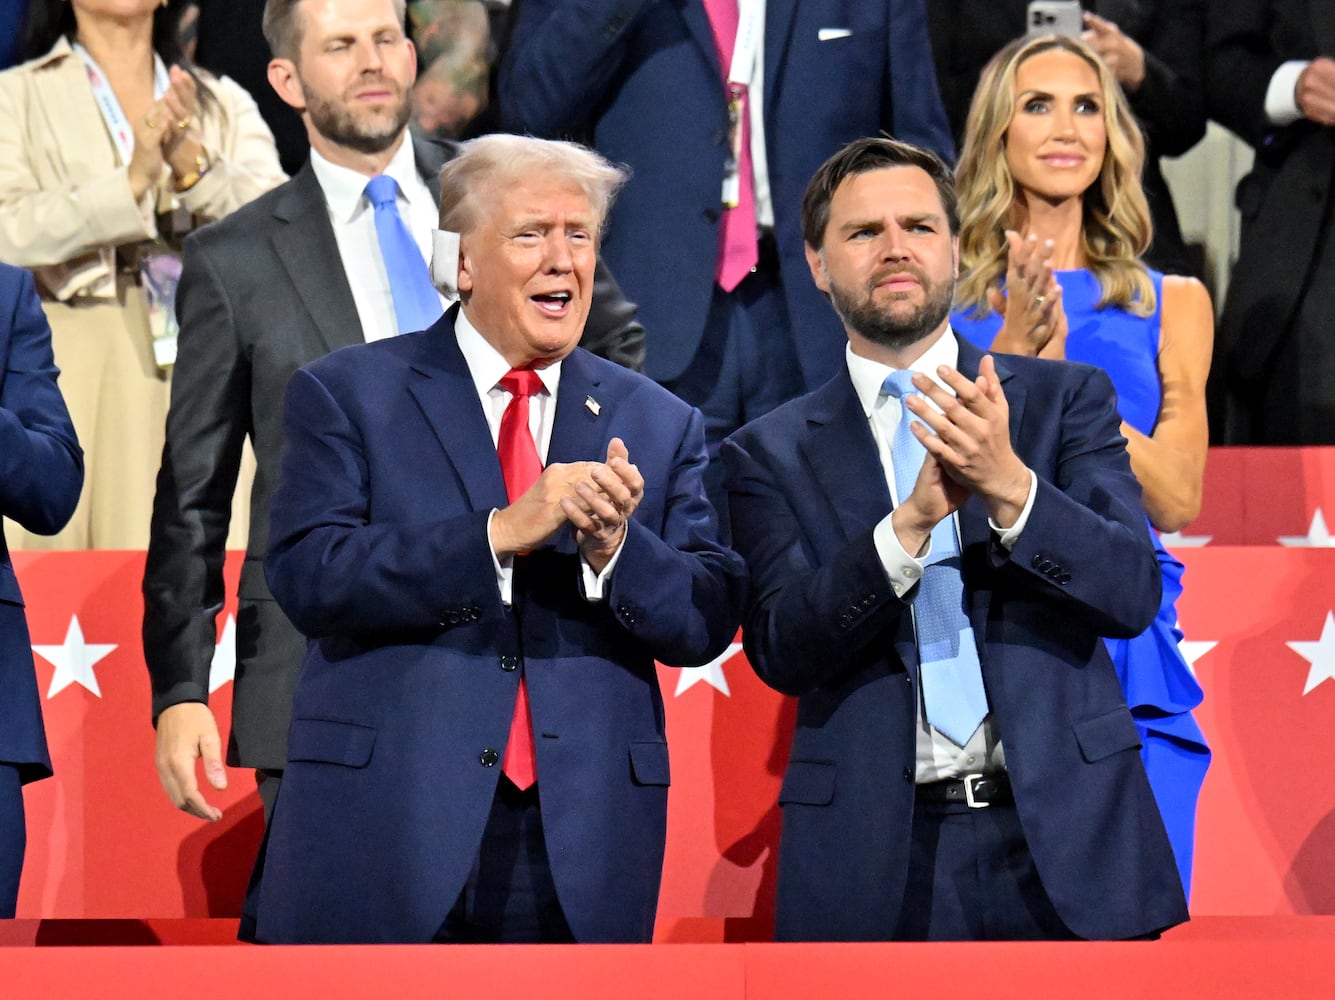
{"points": [[596, 583], [902, 569], [1009, 536], [505, 568], [1281, 98]]}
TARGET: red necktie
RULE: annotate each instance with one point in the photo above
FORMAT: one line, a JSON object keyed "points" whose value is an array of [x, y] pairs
{"points": [[521, 467], [738, 252]]}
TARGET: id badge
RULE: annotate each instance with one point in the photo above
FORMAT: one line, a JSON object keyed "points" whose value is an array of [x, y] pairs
{"points": [[159, 274], [732, 182]]}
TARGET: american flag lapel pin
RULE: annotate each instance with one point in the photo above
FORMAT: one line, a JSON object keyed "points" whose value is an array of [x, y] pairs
{"points": [[593, 405]]}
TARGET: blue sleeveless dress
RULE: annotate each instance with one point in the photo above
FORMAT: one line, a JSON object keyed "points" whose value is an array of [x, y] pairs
{"points": [[1158, 684]]}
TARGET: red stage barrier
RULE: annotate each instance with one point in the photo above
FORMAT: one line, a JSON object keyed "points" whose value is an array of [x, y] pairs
{"points": [[1239, 958], [1259, 623], [1258, 496]]}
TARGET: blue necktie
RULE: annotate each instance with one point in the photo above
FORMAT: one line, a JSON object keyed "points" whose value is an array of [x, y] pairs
{"points": [[416, 304], [952, 680]]}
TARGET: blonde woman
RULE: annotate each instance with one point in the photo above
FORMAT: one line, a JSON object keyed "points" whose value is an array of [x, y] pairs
{"points": [[111, 148], [1053, 223]]}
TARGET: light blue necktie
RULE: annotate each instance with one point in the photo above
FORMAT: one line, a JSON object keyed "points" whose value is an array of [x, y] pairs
{"points": [[952, 680], [416, 304]]}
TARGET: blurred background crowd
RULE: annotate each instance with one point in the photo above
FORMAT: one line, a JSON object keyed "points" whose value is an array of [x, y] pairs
{"points": [[1236, 100]]}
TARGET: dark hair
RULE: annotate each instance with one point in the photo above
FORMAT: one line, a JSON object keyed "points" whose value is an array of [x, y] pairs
{"points": [[863, 156], [49, 20]]}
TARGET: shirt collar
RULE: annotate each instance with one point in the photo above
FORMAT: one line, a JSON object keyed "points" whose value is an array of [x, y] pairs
{"points": [[868, 375], [486, 364], [345, 189]]}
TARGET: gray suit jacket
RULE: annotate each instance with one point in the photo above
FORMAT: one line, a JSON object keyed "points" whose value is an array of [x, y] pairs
{"points": [[262, 293]]}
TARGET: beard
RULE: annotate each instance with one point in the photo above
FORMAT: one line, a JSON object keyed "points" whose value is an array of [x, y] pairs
{"points": [[374, 131], [884, 324]]}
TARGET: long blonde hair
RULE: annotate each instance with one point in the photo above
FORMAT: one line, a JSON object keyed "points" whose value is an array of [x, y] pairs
{"points": [[1115, 228]]}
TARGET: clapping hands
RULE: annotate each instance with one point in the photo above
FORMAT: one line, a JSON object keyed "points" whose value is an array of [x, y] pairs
{"points": [[596, 499], [1034, 322], [166, 134]]}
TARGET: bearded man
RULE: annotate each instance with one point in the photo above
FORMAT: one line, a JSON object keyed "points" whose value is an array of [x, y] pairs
{"points": [[337, 256], [937, 540]]}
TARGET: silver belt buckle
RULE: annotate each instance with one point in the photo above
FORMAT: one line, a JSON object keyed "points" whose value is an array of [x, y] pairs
{"points": [[969, 780]]}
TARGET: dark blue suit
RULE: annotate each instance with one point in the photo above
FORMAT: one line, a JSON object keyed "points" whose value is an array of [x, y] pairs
{"points": [[41, 472], [379, 553], [640, 81], [806, 489]]}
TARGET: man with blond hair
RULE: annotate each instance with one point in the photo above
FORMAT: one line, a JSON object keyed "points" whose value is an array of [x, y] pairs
{"points": [[488, 537]]}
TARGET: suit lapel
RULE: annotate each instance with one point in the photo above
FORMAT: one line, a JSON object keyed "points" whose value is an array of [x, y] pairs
{"points": [[779, 17], [697, 22], [429, 156], [308, 249], [842, 455], [445, 393], [585, 410], [72, 115]]}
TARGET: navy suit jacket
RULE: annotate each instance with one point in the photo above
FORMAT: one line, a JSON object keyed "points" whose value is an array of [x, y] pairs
{"points": [[640, 80], [805, 490], [41, 473], [379, 553], [262, 292]]}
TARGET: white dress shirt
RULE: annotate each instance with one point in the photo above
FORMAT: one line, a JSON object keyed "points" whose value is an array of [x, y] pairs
{"points": [[353, 218], [1281, 97], [487, 367], [938, 756], [755, 107]]}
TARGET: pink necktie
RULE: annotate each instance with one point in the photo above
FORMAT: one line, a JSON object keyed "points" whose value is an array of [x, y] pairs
{"points": [[520, 467], [737, 231]]}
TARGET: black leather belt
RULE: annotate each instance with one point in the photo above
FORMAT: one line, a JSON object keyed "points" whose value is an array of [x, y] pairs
{"points": [[978, 791]]}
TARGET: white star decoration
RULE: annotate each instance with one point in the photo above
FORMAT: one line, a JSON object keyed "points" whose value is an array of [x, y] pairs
{"points": [[1177, 540], [73, 660], [1317, 536], [1193, 651], [711, 673], [223, 668], [1320, 654]]}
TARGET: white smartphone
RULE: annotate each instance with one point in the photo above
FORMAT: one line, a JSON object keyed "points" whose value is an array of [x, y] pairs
{"points": [[1054, 17]]}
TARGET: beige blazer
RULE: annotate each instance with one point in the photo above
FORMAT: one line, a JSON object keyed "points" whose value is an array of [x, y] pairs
{"points": [[65, 205], [65, 202]]}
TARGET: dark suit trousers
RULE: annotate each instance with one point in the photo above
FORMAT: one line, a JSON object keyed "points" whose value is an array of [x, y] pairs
{"points": [[13, 838], [971, 878], [509, 897]]}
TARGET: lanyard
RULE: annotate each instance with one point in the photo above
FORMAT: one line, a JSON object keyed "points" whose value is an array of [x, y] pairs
{"points": [[122, 133], [750, 14]]}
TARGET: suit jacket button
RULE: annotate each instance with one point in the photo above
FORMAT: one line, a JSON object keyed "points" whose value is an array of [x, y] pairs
{"points": [[488, 757], [1064, 579], [509, 663], [908, 774], [1036, 562]]}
